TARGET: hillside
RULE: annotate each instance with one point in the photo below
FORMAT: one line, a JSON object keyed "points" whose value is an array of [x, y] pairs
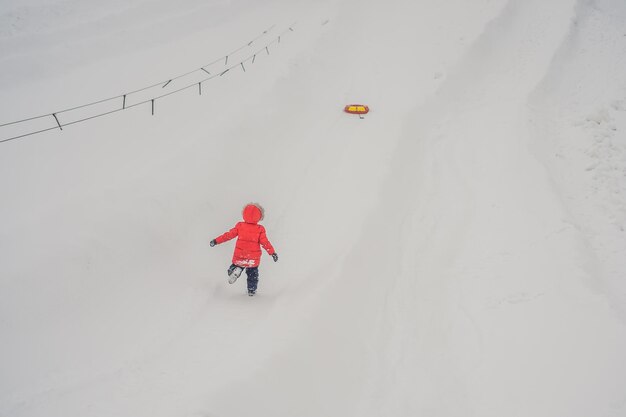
{"points": [[457, 252]]}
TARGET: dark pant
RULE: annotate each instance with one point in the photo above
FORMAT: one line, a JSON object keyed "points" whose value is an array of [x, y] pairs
{"points": [[252, 273], [253, 278]]}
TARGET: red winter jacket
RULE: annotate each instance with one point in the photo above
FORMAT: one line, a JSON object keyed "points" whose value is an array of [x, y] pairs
{"points": [[250, 237]]}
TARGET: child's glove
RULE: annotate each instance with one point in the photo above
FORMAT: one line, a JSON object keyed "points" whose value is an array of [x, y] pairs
{"points": [[275, 257], [213, 243]]}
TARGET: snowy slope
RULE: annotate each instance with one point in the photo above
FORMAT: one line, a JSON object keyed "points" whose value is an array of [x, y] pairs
{"points": [[457, 252]]}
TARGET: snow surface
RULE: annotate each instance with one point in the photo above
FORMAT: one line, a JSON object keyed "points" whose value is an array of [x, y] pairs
{"points": [[459, 252]]}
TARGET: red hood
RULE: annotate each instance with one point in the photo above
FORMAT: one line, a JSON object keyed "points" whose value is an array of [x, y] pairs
{"points": [[252, 214]]}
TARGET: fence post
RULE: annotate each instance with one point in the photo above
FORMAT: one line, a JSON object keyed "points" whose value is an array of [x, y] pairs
{"points": [[57, 119]]}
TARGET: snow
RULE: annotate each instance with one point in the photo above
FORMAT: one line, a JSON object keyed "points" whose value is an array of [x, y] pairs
{"points": [[458, 252]]}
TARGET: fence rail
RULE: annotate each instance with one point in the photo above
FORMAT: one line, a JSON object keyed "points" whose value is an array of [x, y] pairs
{"points": [[53, 121]]}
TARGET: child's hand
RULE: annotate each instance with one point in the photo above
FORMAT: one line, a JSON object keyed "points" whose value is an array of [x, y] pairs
{"points": [[275, 257], [213, 243]]}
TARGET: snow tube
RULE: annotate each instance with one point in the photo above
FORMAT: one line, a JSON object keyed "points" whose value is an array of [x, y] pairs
{"points": [[356, 109]]}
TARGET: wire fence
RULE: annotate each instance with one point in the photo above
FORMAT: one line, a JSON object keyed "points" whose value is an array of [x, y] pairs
{"points": [[239, 58]]}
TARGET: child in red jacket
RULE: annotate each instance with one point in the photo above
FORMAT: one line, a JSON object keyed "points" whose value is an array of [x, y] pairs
{"points": [[250, 237]]}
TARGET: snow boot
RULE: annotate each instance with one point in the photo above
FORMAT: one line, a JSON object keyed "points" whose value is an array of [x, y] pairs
{"points": [[234, 272]]}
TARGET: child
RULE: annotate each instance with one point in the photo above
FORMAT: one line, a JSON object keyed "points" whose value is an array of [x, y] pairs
{"points": [[250, 237]]}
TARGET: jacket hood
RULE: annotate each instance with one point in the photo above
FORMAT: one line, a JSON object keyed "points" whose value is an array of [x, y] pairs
{"points": [[253, 213]]}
